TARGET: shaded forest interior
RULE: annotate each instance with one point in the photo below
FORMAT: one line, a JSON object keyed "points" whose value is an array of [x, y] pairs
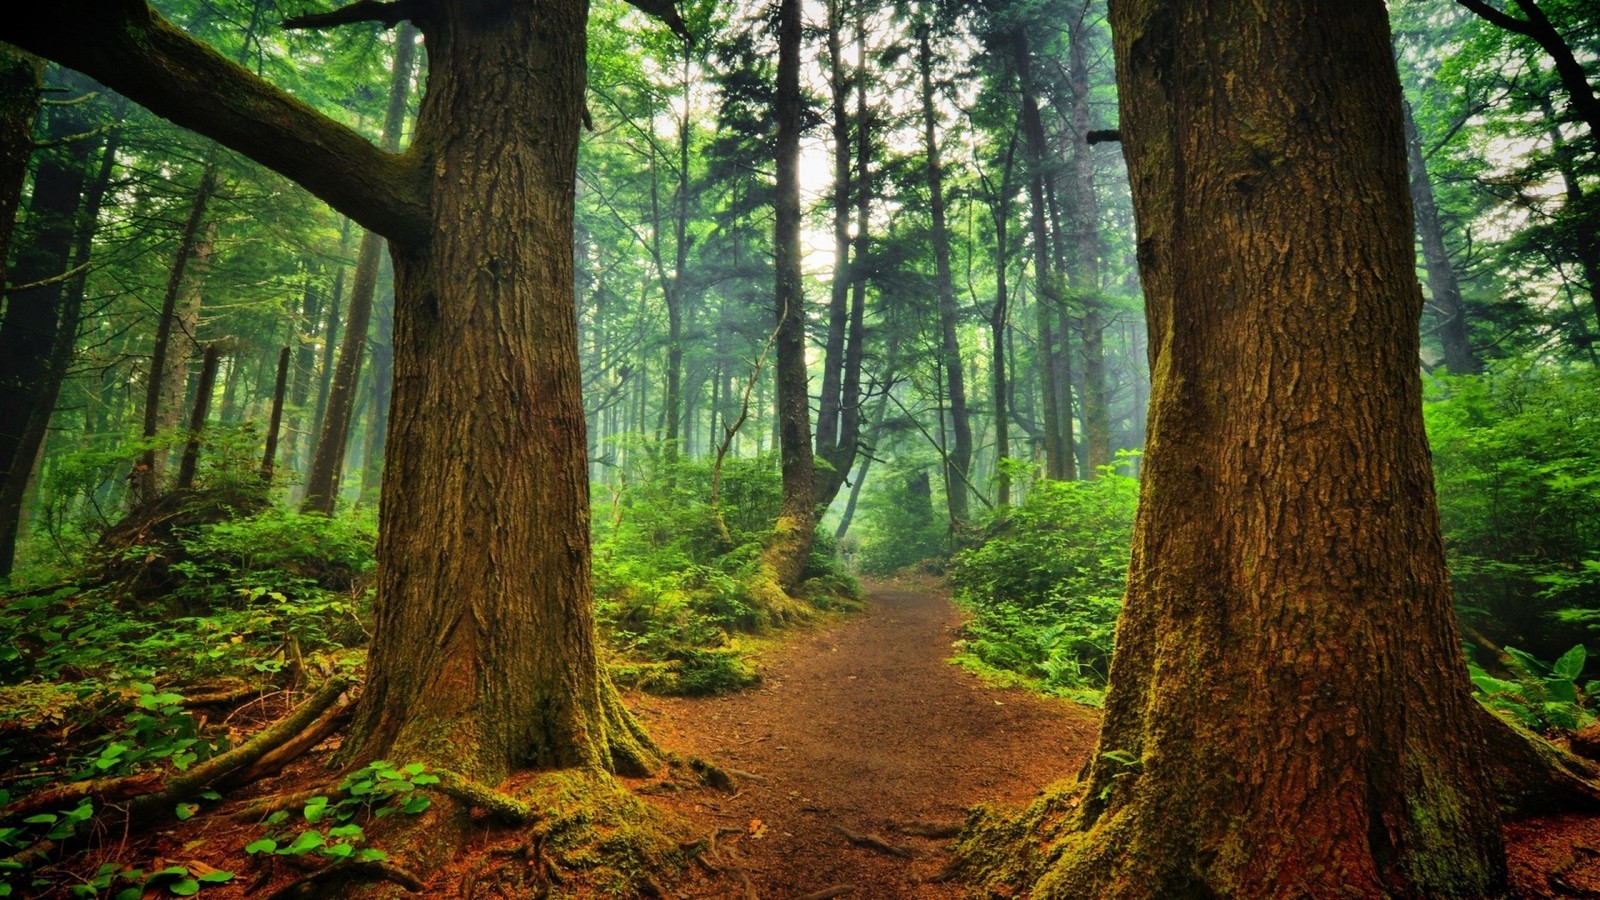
{"points": [[423, 421]]}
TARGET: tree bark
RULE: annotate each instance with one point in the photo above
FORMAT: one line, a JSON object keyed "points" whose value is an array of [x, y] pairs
{"points": [[1445, 293], [36, 318], [483, 658], [1289, 713], [795, 529], [1084, 275], [1059, 462], [959, 460], [145, 482]]}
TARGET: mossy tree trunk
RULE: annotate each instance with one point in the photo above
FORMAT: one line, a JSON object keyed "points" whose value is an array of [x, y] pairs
{"points": [[483, 656], [1289, 713], [790, 545]]}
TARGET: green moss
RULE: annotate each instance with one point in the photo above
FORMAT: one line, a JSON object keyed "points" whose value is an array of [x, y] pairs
{"points": [[598, 839]]}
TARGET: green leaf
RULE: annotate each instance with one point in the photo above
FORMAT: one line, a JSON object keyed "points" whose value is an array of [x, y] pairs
{"points": [[129, 893], [370, 854], [315, 808], [345, 831], [184, 810], [184, 887], [41, 819], [217, 877], [338, 851], [305, 843], [265, 845], [1561, 690], [1570, 665], [416, 803]]}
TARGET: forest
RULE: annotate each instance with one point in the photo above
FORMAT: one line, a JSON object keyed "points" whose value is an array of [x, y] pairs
{"points": [[780, 449]]}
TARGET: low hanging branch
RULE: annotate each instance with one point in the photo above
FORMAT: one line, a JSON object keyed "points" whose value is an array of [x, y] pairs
{"points": [[68, 275], [945, 457], [389, 14]]}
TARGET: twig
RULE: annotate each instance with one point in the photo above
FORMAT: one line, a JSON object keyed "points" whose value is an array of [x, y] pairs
{"points": [[838, 890]]}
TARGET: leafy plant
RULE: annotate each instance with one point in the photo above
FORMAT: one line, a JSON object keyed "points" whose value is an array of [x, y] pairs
{"points": [[1044, 586], [376, 790], [1539, 696]]}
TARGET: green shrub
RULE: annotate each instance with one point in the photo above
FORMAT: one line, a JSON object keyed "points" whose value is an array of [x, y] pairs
{"points": [[1516, 460], [1538, 696], [900, 526], [1045, 584]]}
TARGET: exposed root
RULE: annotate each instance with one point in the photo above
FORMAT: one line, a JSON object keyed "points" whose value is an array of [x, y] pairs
{"points": [[632, 751], [257, 810], [503, 806], [320, 881], [933, 829], [829, 893], [295, 747], [874, 842], [1533, 776], [142, 789]]}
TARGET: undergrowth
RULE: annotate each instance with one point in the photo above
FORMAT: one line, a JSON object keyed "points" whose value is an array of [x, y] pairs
{"points": [[1044, 585]]}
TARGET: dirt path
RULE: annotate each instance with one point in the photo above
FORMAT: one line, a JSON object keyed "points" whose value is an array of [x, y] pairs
{"points": [[862, 726]]}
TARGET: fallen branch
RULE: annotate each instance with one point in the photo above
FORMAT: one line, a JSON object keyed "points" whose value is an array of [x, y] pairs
{"points": [[102, 790], [838, 890], [220, 697], [266, 806], [874, 842]]}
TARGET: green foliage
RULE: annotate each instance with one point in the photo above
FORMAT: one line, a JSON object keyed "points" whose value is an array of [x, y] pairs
{"points": [[1517, 464], [1538, 696], [900, 526], [374, 791], [1045, 584]]}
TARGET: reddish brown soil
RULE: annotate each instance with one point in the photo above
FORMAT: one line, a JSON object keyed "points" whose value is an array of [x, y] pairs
{"points": [[865, 726]]}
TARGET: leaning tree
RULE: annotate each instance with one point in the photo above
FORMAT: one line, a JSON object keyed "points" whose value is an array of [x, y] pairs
{"points": [[483, 655]]}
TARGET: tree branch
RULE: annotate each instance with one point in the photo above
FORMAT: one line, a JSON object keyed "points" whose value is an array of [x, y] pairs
{"points": [[390, 14], [1496, 17], [130, 48]]}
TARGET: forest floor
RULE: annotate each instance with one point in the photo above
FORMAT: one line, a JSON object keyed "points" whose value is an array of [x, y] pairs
{"points": [[861, 726], [864, 726]]}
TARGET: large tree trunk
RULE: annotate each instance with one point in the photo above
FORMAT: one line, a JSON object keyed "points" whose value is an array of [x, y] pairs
{"points": [[795, 529], [483, 658], [1289, 714], [1448, 309], [832, 401]]}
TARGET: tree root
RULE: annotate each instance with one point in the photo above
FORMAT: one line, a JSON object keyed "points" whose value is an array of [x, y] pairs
{"points": [[140, 789], [829, 893], [503, 806], [295, 747], [874, 842], [313, 884], [933, 829], [1533, 776]]}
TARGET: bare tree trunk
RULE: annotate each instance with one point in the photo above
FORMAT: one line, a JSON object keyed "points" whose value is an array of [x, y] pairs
{"points": [[41, 322], [959, 461], [1448, 310], [145, 482], [197, 419], [1085, 270], [327, 464]]}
